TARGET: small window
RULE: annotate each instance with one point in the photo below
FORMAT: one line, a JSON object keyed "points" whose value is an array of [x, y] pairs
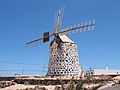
{"points": [[91, 73]]}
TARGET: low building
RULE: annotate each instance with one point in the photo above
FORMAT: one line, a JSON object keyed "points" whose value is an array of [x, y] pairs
{"points": [[109, 72]]}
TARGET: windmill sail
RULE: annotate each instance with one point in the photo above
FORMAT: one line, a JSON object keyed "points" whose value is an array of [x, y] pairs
{"points": [[58, 19], [80, 27]]}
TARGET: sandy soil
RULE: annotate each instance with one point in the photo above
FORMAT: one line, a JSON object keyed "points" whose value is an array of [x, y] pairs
{"points": [[116, 87], [19, 86], [105, 86]]}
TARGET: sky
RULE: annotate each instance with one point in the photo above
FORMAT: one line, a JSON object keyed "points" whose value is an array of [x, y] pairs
{"points": [[24, 20]]}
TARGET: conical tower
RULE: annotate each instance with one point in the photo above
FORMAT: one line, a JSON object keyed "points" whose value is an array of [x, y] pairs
{"points": [[63, 57]]}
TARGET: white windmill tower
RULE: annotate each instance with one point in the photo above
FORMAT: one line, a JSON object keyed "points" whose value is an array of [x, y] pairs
{"points": [[63, 60]]}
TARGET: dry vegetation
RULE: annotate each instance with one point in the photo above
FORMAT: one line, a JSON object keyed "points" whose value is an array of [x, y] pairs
{"points": [[91, 82]]}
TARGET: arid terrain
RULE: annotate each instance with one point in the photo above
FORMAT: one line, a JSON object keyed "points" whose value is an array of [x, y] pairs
{"points": [[47, 83]]}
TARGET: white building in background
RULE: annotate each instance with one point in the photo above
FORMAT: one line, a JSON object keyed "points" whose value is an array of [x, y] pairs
{"points": [[102, 72]]}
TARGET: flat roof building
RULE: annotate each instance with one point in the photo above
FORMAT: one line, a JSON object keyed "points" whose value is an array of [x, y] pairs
{"points": [[102, 72]]}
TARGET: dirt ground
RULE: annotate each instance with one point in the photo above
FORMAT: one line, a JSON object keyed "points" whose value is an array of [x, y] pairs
{"points": [[19, 86]]}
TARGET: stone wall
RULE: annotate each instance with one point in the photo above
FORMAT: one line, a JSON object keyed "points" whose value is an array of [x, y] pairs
{"points": [[64, 60]]}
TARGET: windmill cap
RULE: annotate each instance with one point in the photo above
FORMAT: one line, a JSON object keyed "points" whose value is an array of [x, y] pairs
{"points": [[64, 38], [61, 39]]}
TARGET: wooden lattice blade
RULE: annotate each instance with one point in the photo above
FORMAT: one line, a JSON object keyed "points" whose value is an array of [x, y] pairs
{"points": [[79, 27], [45, 38], [58, 19]]}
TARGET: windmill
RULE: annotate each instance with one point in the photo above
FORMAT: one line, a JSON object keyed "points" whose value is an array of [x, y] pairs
{"points": [[63, 60]]}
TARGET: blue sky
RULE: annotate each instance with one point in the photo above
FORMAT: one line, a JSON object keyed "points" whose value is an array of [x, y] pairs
{"points": [[23, 20]]}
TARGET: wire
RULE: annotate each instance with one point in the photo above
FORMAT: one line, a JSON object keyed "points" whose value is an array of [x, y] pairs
{"points": [[21, 70], [11, 62]]}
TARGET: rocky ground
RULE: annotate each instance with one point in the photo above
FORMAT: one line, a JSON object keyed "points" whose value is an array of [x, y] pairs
{"points": [[4, 84], [70, 86], [28, 87], [88, 83]]}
